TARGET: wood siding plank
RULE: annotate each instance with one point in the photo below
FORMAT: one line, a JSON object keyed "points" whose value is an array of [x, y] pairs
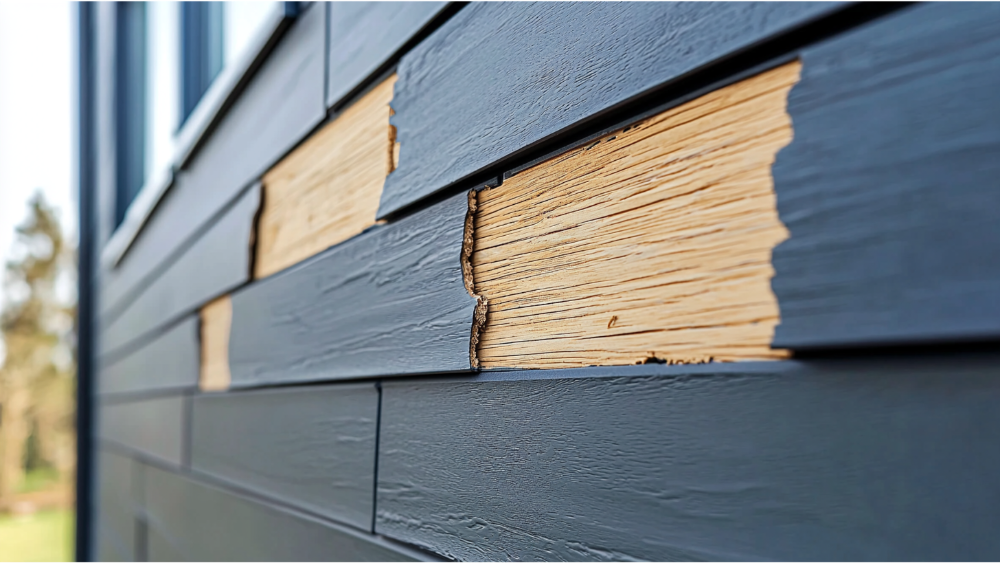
{"points": [[169, 362], [155, 427], [500, 77], [313, 448], [216, 321], [652, 243], [888, 189], [837, 460], [116, 507]]}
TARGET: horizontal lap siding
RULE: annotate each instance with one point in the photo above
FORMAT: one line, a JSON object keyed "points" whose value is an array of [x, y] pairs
{"points": [[116, 522], [168, 362], [155, 427]]}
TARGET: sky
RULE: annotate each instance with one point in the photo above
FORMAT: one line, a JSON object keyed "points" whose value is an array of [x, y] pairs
{"points": [[36, 114]]}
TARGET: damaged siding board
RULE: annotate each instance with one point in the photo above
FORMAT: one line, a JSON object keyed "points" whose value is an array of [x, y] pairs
{"points": [[313, 448], [230, 527], [155, 427], [327, 190], [168, 362], [889, 188], [652, 243], [390, 301], [843, 460], [218, 263], [500, 77], [216, 320]]}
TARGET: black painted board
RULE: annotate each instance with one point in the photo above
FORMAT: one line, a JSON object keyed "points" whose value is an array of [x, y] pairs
{"points": [[115, 507], [500, 77], [282, 103], [860, 459], [366, 35], [192, 521], [171, 361], [310, 447], [889, 186], [217, 263], [154, 427], [390, 301]]}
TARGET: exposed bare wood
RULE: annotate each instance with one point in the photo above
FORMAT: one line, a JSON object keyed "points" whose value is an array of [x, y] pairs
{"points": [[651, 244], [216, 320], [328, 189]]}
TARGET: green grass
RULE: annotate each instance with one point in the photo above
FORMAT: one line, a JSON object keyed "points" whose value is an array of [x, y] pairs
{"points": [[43, 536]]}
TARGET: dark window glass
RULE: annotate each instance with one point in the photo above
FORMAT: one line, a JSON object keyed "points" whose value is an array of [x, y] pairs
{"points": [[201, 57], [130, 104]]}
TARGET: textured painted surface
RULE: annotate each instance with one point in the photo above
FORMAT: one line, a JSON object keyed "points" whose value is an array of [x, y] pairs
{"points": [[365, 35], [498, 77], [219, 262], [154, 427], [216, 321], [311, 447], [391, 301], [840, 460], [327, 189], [653, 242], [889, 188], [190, 521], [282, 104], [169, 361], [115, 507]]}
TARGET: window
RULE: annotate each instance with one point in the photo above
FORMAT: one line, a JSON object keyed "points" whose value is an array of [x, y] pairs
{"points": [[130, 104], [201, 40]]}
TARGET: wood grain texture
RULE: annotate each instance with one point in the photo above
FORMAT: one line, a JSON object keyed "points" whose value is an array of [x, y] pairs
{"points": [[652, 243], [115, 512], [191, 521], [839, 460], [463, 102], [155, 427], [313, 448], [216, 320], [282, 103], [219, 262], [364, 36], [327, 190], [390, 301], [169, 362], [895, 234]]}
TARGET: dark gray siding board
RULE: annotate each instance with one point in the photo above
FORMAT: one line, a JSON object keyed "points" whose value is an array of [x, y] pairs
{"points": [[365, 35], [115, 507], [499, 77], [192, 521], [171, 361], [390, 301], [155, 427], [889, 187], [219, 262], [109, 549], [311, 447], [836, 460], [283, 102]]}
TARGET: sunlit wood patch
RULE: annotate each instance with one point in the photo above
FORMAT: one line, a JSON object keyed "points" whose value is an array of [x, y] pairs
{"points": [[216, 320], [651, 244]]}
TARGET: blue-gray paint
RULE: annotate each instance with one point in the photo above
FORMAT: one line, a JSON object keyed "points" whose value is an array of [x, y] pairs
{"points": [[170, 362], [115, 522], [154, 427]]}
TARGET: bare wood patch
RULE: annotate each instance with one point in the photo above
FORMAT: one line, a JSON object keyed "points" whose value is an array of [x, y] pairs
{"points": [[328, 189], [216, 321], [652, 244]]}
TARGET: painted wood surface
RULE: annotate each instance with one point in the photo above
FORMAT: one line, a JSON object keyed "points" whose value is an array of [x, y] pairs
{"points": [[282, 103], [216, 320], [364, 36], [191, 521], [168, 362], [870, 459], [391, 301], [652, 243], [889, 186], [500, 77], [154, 427], [311, 447], [327, 190], [219, 262], [116, 522]]}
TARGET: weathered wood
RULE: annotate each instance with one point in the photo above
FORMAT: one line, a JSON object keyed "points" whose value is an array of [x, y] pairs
{"points": [[155, 427], [837, 460], [191, 521], [652, 243], [888, 189], [282, 103], [310, 447], [327, 190], [219, 262], [500, 77], [390, 301], [365, 36], [216, 320], [168, 362], [115, 507]]}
